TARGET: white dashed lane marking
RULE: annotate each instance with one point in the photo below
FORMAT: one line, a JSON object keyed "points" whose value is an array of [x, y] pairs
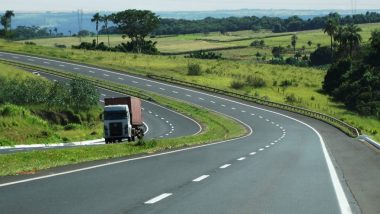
{"points": [[262, 149], [175, 92], [91, 71], [120, 78], [225, 166], [201, 98], [32, 60], [212, 101], [106, 75], [47, 63], [240, 159], [162, 89], [201, 178], [252, 153], [158, 198], [188, 95], [61, 65], [135, 82]]}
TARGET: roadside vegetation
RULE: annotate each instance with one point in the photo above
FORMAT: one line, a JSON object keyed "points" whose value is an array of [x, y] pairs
{"points": [[36, 111], [215, 128]]}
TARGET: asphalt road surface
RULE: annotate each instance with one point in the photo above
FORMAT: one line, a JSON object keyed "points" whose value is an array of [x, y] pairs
{"points": [[286, 164]]}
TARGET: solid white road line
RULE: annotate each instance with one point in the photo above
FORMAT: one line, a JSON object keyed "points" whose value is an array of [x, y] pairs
{"points": [[225, 166], [158, 198], [240, 159], [201, 178]]}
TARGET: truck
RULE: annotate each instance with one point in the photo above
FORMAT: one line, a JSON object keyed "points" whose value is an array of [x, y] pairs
{"points": [[122, 119]]}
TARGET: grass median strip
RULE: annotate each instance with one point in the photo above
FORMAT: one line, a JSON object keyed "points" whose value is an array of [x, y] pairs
{"points": [[215, 128]]}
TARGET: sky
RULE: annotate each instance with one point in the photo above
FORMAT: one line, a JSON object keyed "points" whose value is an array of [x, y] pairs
{"points": [[182, 5]]}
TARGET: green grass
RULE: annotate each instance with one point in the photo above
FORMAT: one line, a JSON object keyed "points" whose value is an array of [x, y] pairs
{"points": [[21, 126], [192, 42], [215, 128], [306, 82]]}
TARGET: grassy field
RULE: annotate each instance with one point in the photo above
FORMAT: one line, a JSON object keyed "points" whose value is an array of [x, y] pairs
{"points": [[305, 83], [191, 42]]}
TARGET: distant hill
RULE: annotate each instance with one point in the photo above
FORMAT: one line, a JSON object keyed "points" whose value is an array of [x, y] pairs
{"points": [[69, 21]]}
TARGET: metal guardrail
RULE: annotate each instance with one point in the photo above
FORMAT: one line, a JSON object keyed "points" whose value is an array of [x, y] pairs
{"points": [[343, 126]]}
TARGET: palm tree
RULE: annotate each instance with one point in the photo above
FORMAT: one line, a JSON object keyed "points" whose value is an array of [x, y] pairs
{"points": [[8, 15], [96, 18], [105, 19], [294, 42], [353, 36], [56, 31], [330, 28]]}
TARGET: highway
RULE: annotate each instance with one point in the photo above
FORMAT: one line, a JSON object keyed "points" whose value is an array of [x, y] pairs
{"points": [[287, 164]]}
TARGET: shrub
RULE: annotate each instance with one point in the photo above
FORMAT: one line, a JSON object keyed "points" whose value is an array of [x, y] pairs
{"points": [[29, 43], [321, 56], [237, 84], [290, 98], [60, 46], [286, 83], [256, 82], [204, 55], [194, 69]]}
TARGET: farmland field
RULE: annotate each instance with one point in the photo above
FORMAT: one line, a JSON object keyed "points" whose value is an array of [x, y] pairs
{"points": [[192, 42]]}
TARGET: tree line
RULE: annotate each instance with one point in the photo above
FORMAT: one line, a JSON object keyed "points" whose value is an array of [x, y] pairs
{"points": [[275, 24]]}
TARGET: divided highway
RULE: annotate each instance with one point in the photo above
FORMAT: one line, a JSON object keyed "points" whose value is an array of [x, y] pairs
{"points": [[281, 166]]}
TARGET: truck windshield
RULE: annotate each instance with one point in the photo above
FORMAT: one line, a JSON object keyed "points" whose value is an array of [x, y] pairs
{"points": [[115, 115]]}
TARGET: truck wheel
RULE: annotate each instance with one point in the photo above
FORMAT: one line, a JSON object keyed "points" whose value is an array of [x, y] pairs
{"points": [[129, 139], [107, 141]]}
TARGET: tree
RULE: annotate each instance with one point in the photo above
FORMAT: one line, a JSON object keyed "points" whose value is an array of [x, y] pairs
{"points": [[105, 19], [309, 43], [294, 42], [353, 37], [70, 32], [334, 76], [136, 24], [330, 28], [6, 21], [96, 18], [375, 40], [56, 31], [8, 15], [277, 51], [321, 56]]}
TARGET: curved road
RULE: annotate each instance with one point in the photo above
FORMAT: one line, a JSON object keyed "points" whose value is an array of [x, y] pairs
{"points": [[282, 167]]}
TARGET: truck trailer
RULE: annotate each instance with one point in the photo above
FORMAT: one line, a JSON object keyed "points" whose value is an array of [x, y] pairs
{"points": [[122, 119]]}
